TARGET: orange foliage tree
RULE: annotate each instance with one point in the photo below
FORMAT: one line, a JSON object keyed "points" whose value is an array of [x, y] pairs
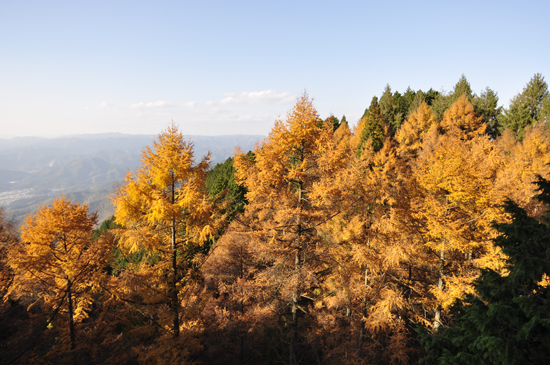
{"points": [[166, 215], [369, 291], [522, 161], [455, 172], [281, 217], [414, 130], [58, 261], [8, 238]]}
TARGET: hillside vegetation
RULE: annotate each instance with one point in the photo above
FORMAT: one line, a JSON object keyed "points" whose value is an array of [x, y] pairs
{"points": [[420, 235]]}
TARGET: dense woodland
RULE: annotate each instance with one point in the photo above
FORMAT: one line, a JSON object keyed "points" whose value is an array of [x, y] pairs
{"points": [[419, 235]]}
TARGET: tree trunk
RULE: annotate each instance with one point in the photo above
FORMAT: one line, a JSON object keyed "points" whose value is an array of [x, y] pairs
{"points": [[241, 276], [437, 316], [173, 288], [364, 315], [71, 319], [294, 324]]}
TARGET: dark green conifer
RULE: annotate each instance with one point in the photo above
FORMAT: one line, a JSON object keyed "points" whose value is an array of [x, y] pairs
{"points": [[220, 183], [374, 127], [528, 107], [390, 110], [486, 106]]}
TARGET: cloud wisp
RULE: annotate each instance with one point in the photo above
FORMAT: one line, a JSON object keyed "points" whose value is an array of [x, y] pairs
{"points": [[105, 105], [258, 97], [152, 104], [245, 98]]}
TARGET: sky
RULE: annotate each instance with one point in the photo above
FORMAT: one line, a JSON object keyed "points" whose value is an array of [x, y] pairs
{"points": [[234, 67]]}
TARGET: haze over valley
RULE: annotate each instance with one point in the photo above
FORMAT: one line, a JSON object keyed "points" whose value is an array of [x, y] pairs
{"points": [[85, 167]]}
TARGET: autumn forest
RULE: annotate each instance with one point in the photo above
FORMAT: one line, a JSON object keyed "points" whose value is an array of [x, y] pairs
{"points": [[419, 235]]}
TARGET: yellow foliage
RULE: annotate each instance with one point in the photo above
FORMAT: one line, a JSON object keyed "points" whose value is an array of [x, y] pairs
{"points": [[461, 120], [165, 210], [382, 314], [456, 287], [522, 161], [456, 172], [58, 260], [413, 130], [285, 157], [458, 181], [166, 192]]}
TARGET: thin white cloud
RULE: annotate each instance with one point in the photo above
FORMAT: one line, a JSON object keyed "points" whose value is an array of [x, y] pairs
{"points": [[104, 105], [152, 104], [258, 97], [191, 104]]}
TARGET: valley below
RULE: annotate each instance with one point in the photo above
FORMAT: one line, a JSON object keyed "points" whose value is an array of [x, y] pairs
{"points": [[85, 168]]}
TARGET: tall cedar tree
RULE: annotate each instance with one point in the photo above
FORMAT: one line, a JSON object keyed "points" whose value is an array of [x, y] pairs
{"points": [[58, 260], [507, 320], [373, 127], [390, 110], [532, 105], [486, 106], [164, 210], [281, 217]]}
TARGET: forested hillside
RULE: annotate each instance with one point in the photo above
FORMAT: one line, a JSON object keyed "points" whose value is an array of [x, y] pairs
{"points": [[421, 234]]}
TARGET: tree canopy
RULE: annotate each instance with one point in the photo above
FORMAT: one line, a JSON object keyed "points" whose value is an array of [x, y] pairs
{"points": [[329, 243]]}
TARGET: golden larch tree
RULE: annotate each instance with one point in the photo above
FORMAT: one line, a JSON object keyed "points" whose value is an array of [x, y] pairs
{"points": [[413, 130], [280, 213], [522, 162], [165, 211], [456, 171], [8, 238], [58, 260], [369, 285]]}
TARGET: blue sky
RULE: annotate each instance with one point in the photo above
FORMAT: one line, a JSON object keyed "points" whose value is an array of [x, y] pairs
{"points": [[233, 67]]}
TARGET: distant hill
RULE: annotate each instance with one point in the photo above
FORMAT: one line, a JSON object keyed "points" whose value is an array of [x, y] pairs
{"points": [[85, 167]]}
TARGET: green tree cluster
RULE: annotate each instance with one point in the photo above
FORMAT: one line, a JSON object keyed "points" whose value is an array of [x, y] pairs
{"points": [[220, 183], [531, 106]]}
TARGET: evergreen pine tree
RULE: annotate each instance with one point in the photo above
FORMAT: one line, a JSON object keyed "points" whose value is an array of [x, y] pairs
{"points": [[374, 127], [389, 109], [486, 106], [529, 107]]}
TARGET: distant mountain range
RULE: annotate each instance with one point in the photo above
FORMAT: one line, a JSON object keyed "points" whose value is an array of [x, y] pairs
{"points": [[85, 167]]}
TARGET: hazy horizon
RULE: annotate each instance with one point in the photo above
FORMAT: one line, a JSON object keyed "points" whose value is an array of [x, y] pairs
{"points": [[125, 134]]}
